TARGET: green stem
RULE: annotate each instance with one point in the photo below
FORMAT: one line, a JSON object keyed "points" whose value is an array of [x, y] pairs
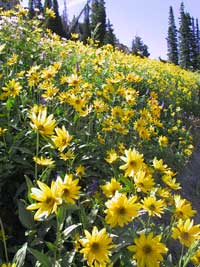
{"points": [[4, 240], [180, 260], [37, 152]]}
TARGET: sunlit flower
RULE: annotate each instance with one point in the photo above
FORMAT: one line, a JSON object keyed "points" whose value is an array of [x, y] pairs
{"points": [[80, 170], [49, 198], [41, 123], [111, 187], [183, 208], [121, 210], [163, 141], [43, 161], [67, 155], [49, 12], [62, 138], [143, 181], [196, 257], [3, 131], [134, 161], [148, 250], [153, 206], [111, 156], [70, 188], [96, 247], [186, 232], [12, 88]]}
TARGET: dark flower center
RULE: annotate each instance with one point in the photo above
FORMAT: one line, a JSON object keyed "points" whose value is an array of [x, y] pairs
{"points": [[185, 235], [121, 210], [152, 207], [147, 249], [132, 163], [95, 246]]}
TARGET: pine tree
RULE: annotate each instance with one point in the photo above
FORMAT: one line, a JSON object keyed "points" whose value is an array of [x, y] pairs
{"points": [[172, 42], [197, 36], [38, 5], [110, 37], [31, 12], [54, 24], [65, 20], [185, 39], [193, 43], [98, 20], [86, 24], [139, 48]]}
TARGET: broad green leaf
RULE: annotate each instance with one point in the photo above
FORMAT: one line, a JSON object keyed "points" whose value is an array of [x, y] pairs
{"points": [[41, 257], [25, 216]]}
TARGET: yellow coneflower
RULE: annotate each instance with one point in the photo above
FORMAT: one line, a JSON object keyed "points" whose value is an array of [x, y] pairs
{"points": [[70, 188], [121, 210], [111, 187], [49, 198], [134, 161], [96, 247], [153, 206], [62, 138], [40, 122], [148, 250], [186, 233], [43, 161]]}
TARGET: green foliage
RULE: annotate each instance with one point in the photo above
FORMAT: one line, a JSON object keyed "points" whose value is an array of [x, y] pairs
{"points": [[172, 41]]}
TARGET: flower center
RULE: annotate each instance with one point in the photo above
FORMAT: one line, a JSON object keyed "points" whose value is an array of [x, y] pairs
{"points": [[185, 235], [152, 207], [49, 201], [66, 192], [147, 249], [121, 210], [95, 246], [132, 163]]}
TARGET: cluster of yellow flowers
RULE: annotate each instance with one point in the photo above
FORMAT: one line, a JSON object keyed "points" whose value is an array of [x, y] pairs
{"points": [[102, 131]]}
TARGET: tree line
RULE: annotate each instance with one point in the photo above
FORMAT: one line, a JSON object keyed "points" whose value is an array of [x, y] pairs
{"points": [[183, 44], [95, 24]]}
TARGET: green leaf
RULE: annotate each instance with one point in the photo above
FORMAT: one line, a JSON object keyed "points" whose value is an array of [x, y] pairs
{"points": [[20, 255], [10, 103], [25, 216], [41, 257], [66, 233]]}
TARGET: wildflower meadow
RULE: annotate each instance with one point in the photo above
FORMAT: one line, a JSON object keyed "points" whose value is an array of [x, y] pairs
{"points": [[91, 143]]}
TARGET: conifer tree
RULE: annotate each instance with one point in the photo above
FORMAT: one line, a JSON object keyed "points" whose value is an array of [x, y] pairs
{"points": [[185, 39], [86, 24], [110, 37], [65, 20], [98, 20], [172, 42], [197, 36], [193, 43], [139, 48], [31, 9]]}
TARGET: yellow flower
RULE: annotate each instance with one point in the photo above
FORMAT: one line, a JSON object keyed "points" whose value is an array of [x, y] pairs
{"points": [[96, 247], [49, 12], [13, 60], [111, 187], [196, 257], [171, 182], [153, 206], [159, 165], [70, 188], [80, 170], [163, 141], [2, 131], [183, 208], [111, 156], [148, 250], [62, 139], [43, 161], [134, 161], [12, 88], [186, 232], [40, 122], [143, 181], [121, 210], [68, 155], [8, 265], [48, 199], [74, 80]]}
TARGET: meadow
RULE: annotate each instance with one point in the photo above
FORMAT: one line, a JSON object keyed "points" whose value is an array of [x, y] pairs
{"points": [[91, 143]]}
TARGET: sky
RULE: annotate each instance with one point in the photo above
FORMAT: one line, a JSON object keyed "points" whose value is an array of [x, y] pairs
{"points": [[145, 18]]}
